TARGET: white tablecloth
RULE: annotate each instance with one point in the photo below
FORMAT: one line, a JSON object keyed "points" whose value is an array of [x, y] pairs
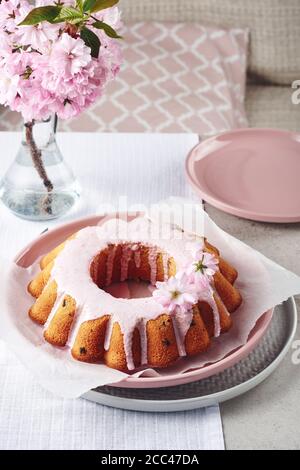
{"points": [[138, 168]]}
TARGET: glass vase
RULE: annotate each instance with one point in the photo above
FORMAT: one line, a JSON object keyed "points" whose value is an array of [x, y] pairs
{"points": [[39, 185]]}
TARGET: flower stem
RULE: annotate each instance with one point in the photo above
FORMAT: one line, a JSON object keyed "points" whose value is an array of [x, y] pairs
{"points": [[38, 164]]}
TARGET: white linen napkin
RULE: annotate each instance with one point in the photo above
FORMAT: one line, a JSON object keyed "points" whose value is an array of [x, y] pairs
{"points": [[32, 418]]}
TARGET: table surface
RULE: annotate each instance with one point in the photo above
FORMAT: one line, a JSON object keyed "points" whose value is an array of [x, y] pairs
{"points": [[267, 417]]}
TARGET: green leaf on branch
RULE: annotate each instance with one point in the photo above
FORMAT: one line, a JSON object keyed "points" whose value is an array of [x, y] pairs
{"points": [[88, 4], [107, 29], [69, 14], [46, 13], [79, 4], [97, 5], [91, 40]]}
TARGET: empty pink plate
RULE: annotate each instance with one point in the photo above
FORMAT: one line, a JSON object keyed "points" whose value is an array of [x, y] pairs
{"points": [[251, 173], [54, 237]]}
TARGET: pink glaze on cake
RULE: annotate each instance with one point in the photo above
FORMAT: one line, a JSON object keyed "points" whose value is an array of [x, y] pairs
{"points": [[165, 265], [125, 258], [137, 256], [110, 264]]}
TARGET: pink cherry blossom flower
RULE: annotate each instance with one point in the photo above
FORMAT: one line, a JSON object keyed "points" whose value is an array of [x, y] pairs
{"points": [[10, 14], [196, 249], [204, 264], [9, 85], [38, 37], [68, 108], [201, 285], [5, 48], [13, 68], [111, 16], [176, 294], [69, 55]]}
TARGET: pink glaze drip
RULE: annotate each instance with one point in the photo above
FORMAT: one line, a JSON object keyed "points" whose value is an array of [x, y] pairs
{"points": [[209, 299], [125, 258], [57, 303], [93, 302], [152, 260], [110, 263], [137, 258], [127, 341], [165, 260], [108, 334], [181, 324], [142, 327]]}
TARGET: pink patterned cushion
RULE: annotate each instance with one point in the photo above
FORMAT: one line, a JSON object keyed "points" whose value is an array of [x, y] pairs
{"points": [[177, 77]]}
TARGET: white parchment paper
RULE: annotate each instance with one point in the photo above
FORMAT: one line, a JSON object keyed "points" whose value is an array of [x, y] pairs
{"points": [[263, 285]]}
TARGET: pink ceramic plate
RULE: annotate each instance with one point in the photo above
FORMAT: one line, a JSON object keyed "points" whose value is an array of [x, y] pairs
{"points": [[252, 173], [49, 240]]}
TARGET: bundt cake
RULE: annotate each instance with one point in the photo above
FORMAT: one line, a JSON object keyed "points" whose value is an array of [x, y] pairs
{"points": [[191, 303]]}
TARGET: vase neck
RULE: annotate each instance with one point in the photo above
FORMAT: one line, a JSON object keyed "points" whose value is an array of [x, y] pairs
{"points": [[43, 131]]}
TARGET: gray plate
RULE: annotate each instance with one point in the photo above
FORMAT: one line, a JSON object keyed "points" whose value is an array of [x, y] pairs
{"points": [[221, 387]]}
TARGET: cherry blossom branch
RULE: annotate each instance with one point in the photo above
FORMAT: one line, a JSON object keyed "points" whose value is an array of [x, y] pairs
{"points": [[38, 164]]}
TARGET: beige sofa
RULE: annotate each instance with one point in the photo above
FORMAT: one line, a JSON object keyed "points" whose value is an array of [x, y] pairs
{"points": [[274, 54]]}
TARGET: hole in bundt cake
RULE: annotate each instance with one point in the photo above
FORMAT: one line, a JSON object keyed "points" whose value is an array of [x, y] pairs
{"points": [[131, 289], [131, 270]]}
